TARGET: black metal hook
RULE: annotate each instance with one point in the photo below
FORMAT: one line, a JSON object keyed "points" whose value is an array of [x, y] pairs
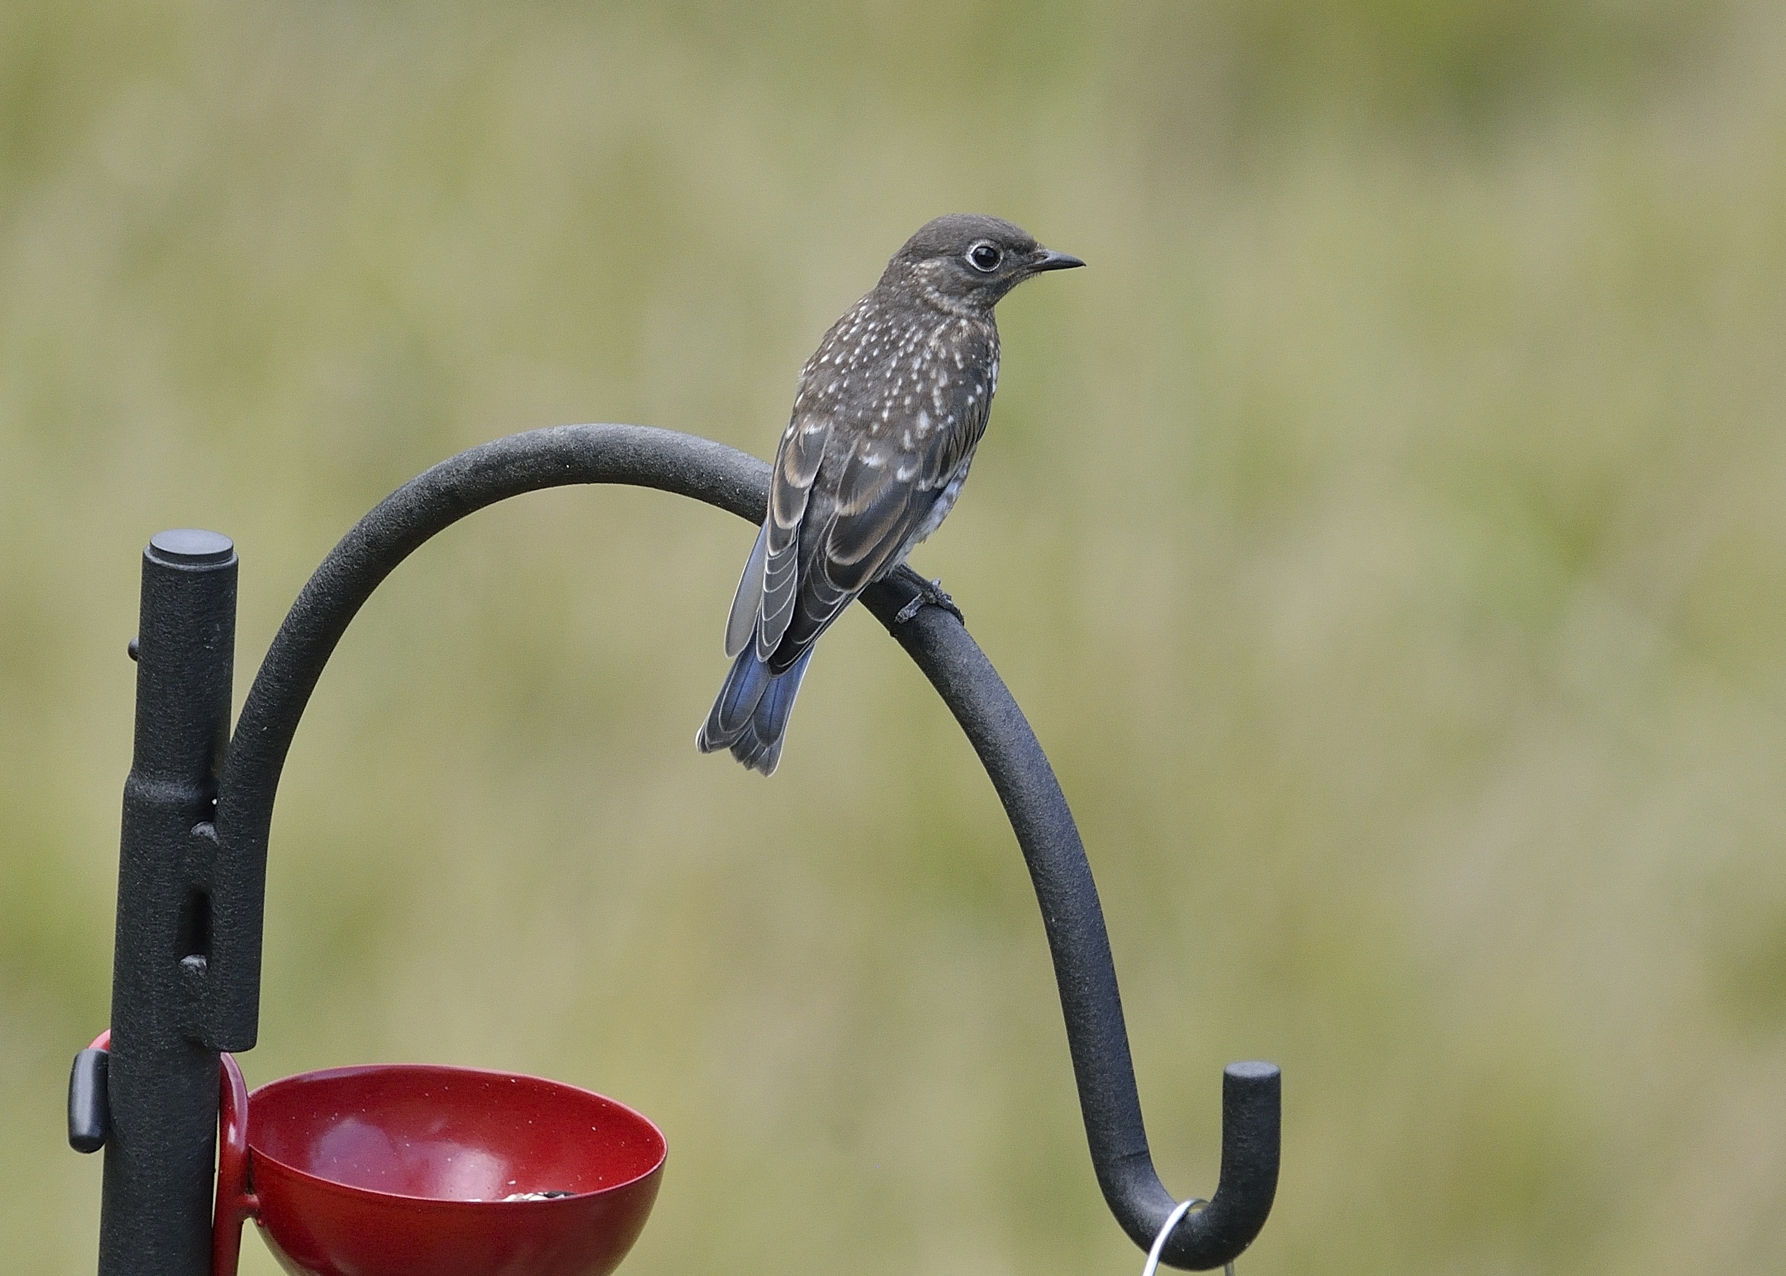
{"points": [[935, 639], [1090, 1003]]}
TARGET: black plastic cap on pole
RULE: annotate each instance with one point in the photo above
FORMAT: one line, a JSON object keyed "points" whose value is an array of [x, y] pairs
{"points": [[89, 1119], [191, 547]]}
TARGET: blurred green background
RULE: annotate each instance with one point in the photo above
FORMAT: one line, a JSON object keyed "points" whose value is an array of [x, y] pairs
{"points": [[1386, 536]]}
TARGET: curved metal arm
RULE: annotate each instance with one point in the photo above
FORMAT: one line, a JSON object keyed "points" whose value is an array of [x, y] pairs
{"points": [[429, 503], [934, 638], [1032, 797]]}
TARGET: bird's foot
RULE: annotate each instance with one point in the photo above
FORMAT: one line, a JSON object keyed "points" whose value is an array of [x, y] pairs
{"points": [[930, 594]]}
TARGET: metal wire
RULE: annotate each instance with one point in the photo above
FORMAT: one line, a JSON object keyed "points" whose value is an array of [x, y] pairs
{"points": [[1159, 1242]]}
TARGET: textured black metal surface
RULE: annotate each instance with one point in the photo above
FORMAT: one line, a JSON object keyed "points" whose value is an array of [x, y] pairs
{"points": [[935, 639], [431, 501], [160, 1080], [1001, 736]]}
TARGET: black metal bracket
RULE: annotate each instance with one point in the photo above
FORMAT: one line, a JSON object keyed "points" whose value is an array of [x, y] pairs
{"points": [[151, 1099], [222, 993]]}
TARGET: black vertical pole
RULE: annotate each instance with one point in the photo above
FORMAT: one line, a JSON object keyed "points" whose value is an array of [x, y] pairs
{"points": [[162, 1079]]}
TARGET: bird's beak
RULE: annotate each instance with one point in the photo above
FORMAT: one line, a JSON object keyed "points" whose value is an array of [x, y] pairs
{"points": [[1048, 259]]}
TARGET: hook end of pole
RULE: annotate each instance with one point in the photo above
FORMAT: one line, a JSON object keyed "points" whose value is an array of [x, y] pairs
{"points": [[1252, 1121]]}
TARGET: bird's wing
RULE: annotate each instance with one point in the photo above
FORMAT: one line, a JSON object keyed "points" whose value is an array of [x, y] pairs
{"points": [[797, 460], [886, 481]]}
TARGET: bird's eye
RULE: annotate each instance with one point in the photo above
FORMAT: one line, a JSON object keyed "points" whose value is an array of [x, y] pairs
{"points": [[984, 256]]}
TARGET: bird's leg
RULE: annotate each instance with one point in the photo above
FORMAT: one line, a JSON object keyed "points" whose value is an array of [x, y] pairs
{"points": [[930, 594]]}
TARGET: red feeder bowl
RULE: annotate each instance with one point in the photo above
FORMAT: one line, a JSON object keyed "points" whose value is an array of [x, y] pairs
{"points": [[411, 1170]]}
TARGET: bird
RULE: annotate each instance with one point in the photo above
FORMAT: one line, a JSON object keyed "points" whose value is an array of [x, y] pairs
{"points": [[887, 414]]}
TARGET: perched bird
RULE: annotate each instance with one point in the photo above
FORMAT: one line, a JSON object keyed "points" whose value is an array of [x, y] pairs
{"points": [[886, 417]]}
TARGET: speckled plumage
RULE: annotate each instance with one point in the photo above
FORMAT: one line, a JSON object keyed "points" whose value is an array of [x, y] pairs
{"points": [[887, 414]]}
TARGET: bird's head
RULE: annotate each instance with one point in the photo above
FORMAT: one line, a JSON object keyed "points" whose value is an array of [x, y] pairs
{"points": [[965, 262]]}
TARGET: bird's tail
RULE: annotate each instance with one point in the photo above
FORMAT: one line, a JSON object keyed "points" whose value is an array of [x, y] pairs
{"points": [[752, 710]]}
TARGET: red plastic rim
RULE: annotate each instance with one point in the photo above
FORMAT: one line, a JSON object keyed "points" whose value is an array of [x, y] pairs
{"points": [[465, 1135]]}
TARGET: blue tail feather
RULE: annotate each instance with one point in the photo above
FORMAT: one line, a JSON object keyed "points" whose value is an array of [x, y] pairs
{"points": [[751, 712]]}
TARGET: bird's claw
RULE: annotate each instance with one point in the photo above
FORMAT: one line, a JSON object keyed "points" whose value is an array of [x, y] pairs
{"points": [[930, 594]]}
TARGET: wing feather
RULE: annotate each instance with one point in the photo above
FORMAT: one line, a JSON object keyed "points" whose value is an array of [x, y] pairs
{"points": [[797, 461], [862, 533], [745, 602]]}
